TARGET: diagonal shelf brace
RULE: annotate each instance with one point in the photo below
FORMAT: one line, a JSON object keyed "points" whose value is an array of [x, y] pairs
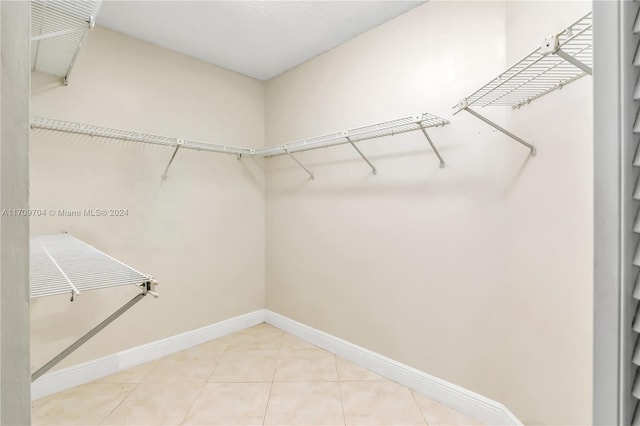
{"points": [[464, 106], [179, 143], [426, 135], [299, 163], [375, 172], [91, 24], [95, 330]]}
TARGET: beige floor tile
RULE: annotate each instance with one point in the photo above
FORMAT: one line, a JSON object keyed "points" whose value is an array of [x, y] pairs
{"points": [[290, 342], [434, 412], [132, 375], [245, 366], [193, 365], [261, 337], [379, 403], [230, 404], [304, 403], [306, 365], [348, 371], [83, 405], [216, 345], [463, 420], [155, 404]]}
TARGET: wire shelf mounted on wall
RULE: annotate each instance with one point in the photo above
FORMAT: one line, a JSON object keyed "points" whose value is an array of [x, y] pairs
{"points": [[63, 264], [133, 136], [422, 122], [58, 31], [560, 60]]}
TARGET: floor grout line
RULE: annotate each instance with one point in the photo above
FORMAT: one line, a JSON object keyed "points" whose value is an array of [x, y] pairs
{"points": [[118, 404], [344, 416], [273, 377], [415, 401]]}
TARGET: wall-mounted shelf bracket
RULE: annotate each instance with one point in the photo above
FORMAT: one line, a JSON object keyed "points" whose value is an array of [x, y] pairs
{"points": [[464, 106], [92, 22], [551, 46], [299, 163], [82, 340], [60, 262], [179, 144], [426, 135], [346, 136]]}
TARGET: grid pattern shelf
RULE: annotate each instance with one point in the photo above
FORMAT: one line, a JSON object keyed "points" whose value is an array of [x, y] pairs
{"points": [[63, 264], [561, 59]]}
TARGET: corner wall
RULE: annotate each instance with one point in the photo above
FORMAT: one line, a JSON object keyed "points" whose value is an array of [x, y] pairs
{"points": [[463, 272], [407, 263], [200, 232]]}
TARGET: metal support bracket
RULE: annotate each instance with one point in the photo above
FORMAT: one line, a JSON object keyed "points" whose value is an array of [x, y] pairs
{"points": [[426, 135], [551, 45], [179, 143], [91, 24], [346, 136], [464, 106], [95, 330], [298, 162]]}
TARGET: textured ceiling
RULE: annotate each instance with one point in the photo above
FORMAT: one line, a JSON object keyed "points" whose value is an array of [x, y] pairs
{"points": [[261, 39]]}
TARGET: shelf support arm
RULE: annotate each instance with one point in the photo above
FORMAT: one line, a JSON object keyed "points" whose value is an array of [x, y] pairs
{"points": [[551, 45], [95, 330], [91, 24], [179, 143], [299, 163], [426, 135], [375, 172], [573, 61], [464, 106]]}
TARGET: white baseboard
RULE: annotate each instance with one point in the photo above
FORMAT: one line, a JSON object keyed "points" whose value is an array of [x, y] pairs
{"points": [[92, 370], [486, 410], [470, 403]]}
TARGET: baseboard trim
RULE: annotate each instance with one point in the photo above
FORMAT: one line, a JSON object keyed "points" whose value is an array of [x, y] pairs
{"points": [[484, 409], [92, 370], [465, 401]]}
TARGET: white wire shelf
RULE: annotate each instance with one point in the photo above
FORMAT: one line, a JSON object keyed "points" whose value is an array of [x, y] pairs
{"points": [[130, 135], [58, 30], [63, 264], [560, 60], [422, 121], [372, 131]]}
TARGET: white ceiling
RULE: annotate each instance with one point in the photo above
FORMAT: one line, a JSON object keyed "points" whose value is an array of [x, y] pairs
{"points": [[261, 39]]}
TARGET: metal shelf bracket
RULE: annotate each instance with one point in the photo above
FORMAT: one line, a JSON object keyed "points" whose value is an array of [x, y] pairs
{"points": [[551, 46], [299, 163], [95, 330], [179, 144], [91, 24], [345, 134], [464, 106], [426, 135]]}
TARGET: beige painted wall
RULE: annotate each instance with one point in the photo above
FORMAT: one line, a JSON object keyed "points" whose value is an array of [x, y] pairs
{"points": [[200, 232], [479, 273], [550, 222]]}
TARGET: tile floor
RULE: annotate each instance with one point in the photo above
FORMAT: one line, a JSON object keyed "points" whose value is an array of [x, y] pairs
{"points": [[258, 376]]}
